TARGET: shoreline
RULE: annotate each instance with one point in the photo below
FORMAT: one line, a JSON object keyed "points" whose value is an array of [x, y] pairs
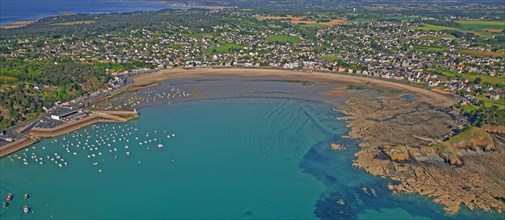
{"points": [[146, 80], [176, 6], [368, 116]]}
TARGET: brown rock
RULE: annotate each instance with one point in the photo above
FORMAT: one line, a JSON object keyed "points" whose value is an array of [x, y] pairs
{"points": [[455, 159], [388, 125], [337, 147]]}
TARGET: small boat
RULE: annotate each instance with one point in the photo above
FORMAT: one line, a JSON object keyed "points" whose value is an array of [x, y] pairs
{"points": [[9, 197], [26, 209], [27, 195], [160, 145]]}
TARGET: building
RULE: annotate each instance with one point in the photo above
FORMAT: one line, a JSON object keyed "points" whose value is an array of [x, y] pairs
{"points": [[494, 96], [61, 113]]}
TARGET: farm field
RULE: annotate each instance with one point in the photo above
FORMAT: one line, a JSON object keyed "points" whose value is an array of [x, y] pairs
{"points": [[483, 53], [330, 57], [479, 27], [482, 25], [431, 27], [305, 21], [224, 48], [75, 23]]}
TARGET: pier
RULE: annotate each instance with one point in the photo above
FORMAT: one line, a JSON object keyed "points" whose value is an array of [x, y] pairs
{"points": [[34, 133]]}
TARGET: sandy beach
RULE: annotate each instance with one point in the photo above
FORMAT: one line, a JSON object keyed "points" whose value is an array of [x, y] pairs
{"points": [[147, 79], [17, 24]]}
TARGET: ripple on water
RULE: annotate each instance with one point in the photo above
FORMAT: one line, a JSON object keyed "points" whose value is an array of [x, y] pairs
{"points": [[233, 158]]}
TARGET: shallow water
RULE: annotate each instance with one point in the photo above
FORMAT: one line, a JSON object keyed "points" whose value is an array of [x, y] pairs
{"points": [[252, 158]]}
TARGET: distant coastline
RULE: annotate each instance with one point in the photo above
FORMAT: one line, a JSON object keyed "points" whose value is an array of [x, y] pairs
{"points": [[10, 16]]}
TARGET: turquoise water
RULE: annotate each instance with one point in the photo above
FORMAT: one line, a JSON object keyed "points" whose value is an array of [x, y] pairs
{"points": [[250, 158]]}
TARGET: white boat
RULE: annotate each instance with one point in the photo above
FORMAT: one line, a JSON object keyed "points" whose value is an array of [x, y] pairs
{"points": [[26, 209], [160, 145]]}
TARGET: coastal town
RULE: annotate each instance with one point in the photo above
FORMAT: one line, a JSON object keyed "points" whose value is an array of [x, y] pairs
{"points": [[423, 93], [401, 50], [407, 50]]}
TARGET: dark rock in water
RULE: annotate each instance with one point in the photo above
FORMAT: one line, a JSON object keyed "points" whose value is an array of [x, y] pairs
{"points": [[332, 208], [408, 97]]}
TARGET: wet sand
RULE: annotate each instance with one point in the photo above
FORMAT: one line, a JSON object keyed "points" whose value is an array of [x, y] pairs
{"points": [[147, 79]]}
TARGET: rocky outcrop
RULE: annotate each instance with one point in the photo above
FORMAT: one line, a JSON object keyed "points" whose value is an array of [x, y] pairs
{"points": [[337, 147], [467, 170], [397, 153], [499, 129]]}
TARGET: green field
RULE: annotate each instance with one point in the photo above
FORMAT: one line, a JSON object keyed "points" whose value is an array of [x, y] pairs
{"points": [[439, 37], [75, 23], [385, 18], [330, 58], [430, 27], [481, 25], [284, 39], [401, 18], [483, 53], [363, 19], [468, 108], [427, 49], [489, 103], [312, 25], [224, 48], [481, 28], [471, 76]]}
